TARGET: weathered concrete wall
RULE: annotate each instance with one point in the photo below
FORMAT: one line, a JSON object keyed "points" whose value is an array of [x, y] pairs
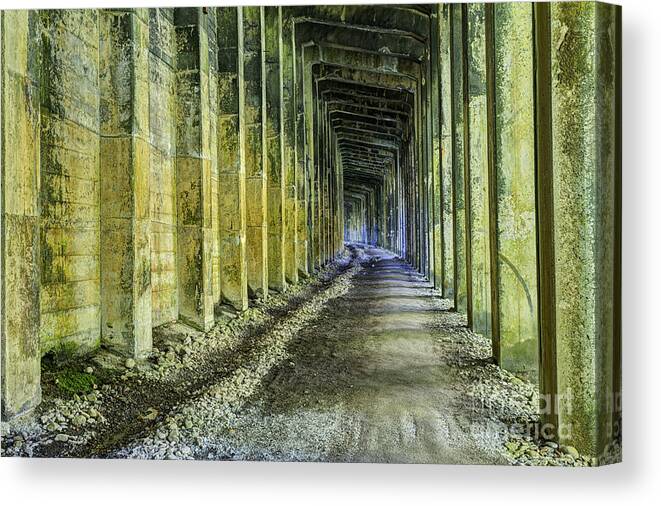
{"points": [[514, 150], [70, 190]]}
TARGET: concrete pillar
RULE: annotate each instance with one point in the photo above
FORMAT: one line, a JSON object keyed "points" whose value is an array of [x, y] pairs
{"points": [[231, 164], [213, 100], [514, 179], [289, 148], [253, 146], [194, 252], [162, 184], [445, 155], [302, 166], [70, 191], [275, 154], [577, 46], [478, 173], [19, 243], [124, 179], [435, 113], [458, 175]]}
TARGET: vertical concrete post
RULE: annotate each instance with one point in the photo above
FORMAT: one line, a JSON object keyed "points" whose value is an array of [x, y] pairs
{"points": [[162, 184], [70, 186], [213, 100], [19, 243], [302, 166], [514, 186], [253, 147], [289, 147], [457, 127], [477, 151], [194, 241], [446, 158], [124, 176], [437, 185], [231, 165], [582, 98], [275, 153]]}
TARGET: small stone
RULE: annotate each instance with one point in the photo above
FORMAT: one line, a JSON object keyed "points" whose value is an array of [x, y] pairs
{"points": [[130, 363], [18, 443], [570, 450], [62, 438], [551, 444], [188, 423], [173, 436], [89, 370], [52, 427], [79, 420]]}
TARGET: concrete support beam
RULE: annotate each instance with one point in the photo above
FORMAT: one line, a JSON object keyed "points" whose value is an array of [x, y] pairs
{"points": [[458, 165], [162, 183], [253, 146], [231, 162], [477, 150], [126, 321], [578, 46], [289, 149], [194, 241], [512, 71], [70, 193], [275, 152], [254, 149], [19, 243], [446, 153]]}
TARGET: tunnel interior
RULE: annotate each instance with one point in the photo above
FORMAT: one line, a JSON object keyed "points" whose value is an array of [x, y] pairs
{"points": [[162, 164]]}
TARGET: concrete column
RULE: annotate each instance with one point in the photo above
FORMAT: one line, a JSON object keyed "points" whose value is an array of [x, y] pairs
{"points": [[275, 154], [578, 46], [19, 243], [437, 185], [162, 184], [213, 100], [124, 178], [445, 155], [194, 240], [478, 173], [231, 164], [458, 176], [70, 239], [253, 146], [289, 148], [514, 180], [302, 166]]}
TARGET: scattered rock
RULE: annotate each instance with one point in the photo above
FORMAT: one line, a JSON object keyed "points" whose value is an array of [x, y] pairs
{"points": [[62, 438], [130, 363], [570, 450]]}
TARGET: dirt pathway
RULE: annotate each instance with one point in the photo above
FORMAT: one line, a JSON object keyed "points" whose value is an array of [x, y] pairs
{"points": [[372, 379]]}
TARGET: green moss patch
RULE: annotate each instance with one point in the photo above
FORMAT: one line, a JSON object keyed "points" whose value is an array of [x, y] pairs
{"points": [[75, 382]]}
